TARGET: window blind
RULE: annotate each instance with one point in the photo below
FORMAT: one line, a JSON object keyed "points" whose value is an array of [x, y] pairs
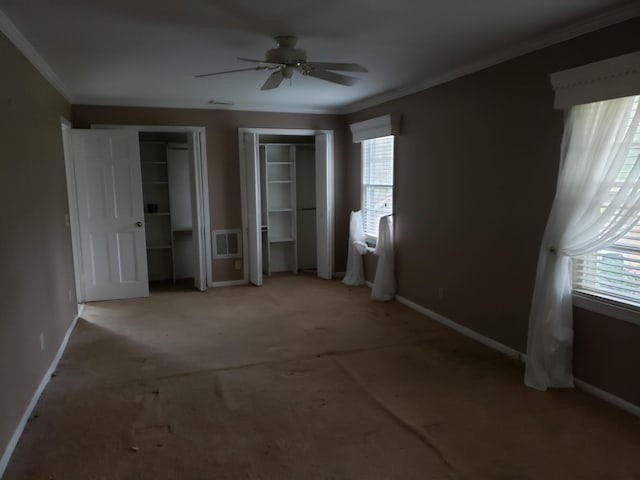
{"points": [[614, 272], [377, 182]]}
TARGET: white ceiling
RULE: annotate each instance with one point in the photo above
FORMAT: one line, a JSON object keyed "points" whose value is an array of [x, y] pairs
{"points": [[146, 52]]}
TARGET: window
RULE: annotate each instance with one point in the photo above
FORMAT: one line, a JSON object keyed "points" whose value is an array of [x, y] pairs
{"points": [[614, 272], [377, 183]]}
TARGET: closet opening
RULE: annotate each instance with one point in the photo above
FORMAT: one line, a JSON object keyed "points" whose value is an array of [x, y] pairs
{"points": [[287, 202], [167, 179]]}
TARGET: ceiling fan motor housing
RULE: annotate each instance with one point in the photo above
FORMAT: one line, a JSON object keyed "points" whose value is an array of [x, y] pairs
{"points": [[286, 53]]}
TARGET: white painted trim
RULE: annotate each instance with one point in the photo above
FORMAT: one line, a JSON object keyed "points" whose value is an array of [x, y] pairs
{"points": [[462, 329], [604, 306], [608, 397], [626, 12], [6, 456], [375, 127], [227, 283], [24, 46], [201, 134], [243, 207], [204, 105], [611, 78], [149, 128], [72, 200]]}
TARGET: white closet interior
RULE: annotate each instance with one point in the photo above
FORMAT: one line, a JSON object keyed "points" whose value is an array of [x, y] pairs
{"points": [[288, 203], [167, 196]]}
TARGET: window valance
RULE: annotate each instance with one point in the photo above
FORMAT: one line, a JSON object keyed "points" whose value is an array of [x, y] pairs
{"points": [[611, 78]]}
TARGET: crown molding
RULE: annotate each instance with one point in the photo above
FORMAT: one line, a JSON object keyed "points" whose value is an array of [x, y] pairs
{"points": [[164, 103], [603, 20], [22, 44]]}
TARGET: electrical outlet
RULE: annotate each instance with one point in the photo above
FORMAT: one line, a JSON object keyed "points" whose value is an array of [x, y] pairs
{"points": [[42, 342], [237, 264], [66, 220]]}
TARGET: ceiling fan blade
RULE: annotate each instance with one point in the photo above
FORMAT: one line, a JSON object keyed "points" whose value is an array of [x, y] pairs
{"points": [[332, 77], [232, 71], [340, 67], [274, 81], [257, 61]]}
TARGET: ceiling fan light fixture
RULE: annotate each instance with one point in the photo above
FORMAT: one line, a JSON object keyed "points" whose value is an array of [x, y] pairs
{"points": [[287, 72]]}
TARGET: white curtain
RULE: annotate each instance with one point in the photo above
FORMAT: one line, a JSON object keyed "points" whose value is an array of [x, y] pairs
{"points": [[384, 285], [594, 206], [357, 248]]}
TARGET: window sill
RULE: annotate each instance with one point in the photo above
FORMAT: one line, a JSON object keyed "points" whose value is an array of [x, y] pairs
{"points": [[605, 306]]}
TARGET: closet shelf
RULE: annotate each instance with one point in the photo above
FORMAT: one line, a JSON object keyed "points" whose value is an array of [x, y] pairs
{"points": [[157, 214], [159, 247], [278, 194], [281, 239], [155, 183]]}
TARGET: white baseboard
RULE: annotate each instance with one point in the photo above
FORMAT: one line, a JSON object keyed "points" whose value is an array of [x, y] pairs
{"points": [[593, 390], [608, 397], [4, 460], [227, 283], [501, 347]]}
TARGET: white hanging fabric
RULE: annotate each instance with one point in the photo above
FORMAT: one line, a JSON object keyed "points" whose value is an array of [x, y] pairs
{"points": [[597, 202], [357, 248], [384, 285]]}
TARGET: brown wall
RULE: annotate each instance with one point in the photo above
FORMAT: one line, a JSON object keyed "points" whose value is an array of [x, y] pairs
{"points": [[475, 173], [607, 354], [222, 156], [36, 266]]}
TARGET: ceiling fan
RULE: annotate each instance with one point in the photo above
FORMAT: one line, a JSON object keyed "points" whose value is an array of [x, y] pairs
{"points": [[286, 59]]}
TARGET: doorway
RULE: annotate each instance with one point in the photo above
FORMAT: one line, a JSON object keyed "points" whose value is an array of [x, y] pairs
{"points": [[171, 246], [287, 201]]}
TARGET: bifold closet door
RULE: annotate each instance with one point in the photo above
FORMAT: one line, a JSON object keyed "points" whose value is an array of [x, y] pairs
{"points": [[254, 215], [324, 206]]}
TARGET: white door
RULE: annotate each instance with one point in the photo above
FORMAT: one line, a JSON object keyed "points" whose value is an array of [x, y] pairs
{"points": [[324, 206], [111, 217], [197, 213], [254, 217]]}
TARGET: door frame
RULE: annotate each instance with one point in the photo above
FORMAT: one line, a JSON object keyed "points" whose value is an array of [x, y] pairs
{"points": [[72, 214], [201, 178], [243, 185]]}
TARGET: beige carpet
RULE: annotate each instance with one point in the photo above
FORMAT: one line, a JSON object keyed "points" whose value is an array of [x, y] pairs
{"points": [[304, 379]]}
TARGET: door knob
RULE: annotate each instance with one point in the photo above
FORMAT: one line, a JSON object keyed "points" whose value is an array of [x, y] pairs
{"points": [[139, 224]]}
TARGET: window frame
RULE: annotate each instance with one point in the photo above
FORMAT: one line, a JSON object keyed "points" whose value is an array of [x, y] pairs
{"points": [[373, 239], [598, 300]]}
